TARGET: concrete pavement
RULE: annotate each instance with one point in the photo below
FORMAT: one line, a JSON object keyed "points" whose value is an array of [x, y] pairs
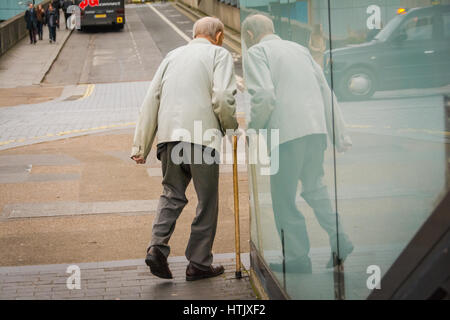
{"points": [[108, 106], [103, 107], [28, 95], [71, 195], [26, 64], [83, 199]]}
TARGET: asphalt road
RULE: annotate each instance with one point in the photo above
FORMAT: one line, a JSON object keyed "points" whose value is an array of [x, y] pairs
{"points": [[133, 54]]}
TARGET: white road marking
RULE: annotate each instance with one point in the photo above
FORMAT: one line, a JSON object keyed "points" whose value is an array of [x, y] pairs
{"points": [[135, 46], [174, 27]]}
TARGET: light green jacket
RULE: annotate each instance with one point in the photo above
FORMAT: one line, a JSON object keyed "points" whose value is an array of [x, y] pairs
{"points": [[289, 93], [193, 87]]}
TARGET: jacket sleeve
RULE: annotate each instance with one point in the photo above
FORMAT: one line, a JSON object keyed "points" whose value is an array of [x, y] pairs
{"points": [[147, 124], [260, 87], [223, 91], [331, 106]]}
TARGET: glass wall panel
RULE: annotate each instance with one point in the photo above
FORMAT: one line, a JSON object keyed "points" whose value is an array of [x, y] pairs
{"points": [[293, 211], [355, 170], [391, 69]]}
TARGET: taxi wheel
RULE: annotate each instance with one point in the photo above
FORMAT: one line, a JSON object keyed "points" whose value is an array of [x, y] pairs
{"points": [[357, 84]]}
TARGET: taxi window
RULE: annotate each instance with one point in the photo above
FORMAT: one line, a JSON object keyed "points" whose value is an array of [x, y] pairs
{"points": [[418, 28]]}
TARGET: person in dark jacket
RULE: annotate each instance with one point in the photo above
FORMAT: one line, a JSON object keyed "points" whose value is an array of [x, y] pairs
{"points": [[66, 4], [56, 5], [52, 22], [31, 20], [40, 14]]}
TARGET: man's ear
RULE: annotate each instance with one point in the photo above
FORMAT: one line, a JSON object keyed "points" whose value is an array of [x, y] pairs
{"points": [[218, 35], [250, 34]]}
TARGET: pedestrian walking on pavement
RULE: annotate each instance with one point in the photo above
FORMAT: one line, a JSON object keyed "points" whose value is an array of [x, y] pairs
{"points": [[191, 93], [31, 21], [52, 21], [66, 4], [40, 13], [290, 94], [57, 5]]}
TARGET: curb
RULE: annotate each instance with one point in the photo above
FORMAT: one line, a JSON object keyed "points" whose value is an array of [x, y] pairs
{"points": [[46, 68]]}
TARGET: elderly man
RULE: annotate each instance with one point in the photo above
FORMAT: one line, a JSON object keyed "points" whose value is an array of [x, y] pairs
{"points": [[289, 93], [189, 105]]}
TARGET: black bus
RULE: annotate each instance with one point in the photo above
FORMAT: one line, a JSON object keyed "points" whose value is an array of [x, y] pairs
{"points": [[101, 13]]}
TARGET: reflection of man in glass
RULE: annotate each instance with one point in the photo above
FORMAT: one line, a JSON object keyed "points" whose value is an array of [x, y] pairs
{"points": [[289, 92]]}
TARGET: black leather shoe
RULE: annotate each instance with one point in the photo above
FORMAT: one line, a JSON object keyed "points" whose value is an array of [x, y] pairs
{"points": [[193, 273], [158, 263]]}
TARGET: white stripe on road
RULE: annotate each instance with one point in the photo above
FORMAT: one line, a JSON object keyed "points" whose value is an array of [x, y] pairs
{"points": [[174, 27], [135, 45]]}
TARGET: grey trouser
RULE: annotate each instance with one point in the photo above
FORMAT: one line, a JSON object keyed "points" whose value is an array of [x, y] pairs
{"points": [[176, 178], [302, 159]]}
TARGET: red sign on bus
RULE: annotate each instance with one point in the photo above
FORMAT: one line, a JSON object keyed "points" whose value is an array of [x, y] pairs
{"points": [[85, 3]]}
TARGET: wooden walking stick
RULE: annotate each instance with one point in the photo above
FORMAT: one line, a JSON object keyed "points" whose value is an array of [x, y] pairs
{"points": [[236, 210]]}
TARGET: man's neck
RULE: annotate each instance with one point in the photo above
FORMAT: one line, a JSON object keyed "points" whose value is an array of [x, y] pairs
{"points": [[205, 37]]}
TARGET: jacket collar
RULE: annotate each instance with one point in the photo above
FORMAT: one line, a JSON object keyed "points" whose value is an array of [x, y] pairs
{"points": [[270, 37], [199, 40]]}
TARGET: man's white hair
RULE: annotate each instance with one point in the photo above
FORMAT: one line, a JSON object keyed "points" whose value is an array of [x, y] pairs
{"points": [[207, 26], [258, 24]]}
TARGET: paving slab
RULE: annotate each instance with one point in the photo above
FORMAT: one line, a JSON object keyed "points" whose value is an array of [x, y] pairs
{"points": [[48, 229], [34, 210], [126, 279]]}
